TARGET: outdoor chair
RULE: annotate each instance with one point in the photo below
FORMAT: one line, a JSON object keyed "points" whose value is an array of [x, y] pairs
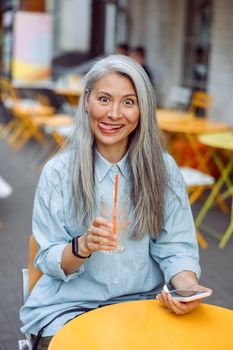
{"points": [[32, 114], [200, 103], [30, 276], [196, 183], [8, 96], [27, 115]]}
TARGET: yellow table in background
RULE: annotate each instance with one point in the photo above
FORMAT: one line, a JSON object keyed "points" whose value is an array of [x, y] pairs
{"points": [[219, 144], [70, 94], [24, 124], [145, 325], [184, 126], [59, 120], [165, 115]]}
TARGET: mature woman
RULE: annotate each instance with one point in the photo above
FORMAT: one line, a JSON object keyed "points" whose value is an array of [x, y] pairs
{"points": [[116, 132]]}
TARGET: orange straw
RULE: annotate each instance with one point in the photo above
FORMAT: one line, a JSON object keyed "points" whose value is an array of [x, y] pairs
{"points": [[115, 204]]}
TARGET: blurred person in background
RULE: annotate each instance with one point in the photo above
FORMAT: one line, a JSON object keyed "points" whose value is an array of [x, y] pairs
{"points": [[122, 49], [139, 55], [116, 131]]}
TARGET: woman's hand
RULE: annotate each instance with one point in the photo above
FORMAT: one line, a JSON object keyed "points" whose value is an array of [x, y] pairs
{"points": [[178, 307], [99, 236], [182, 280]]}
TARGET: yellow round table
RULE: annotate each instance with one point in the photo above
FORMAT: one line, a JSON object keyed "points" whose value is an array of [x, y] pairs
{"points": [[191, 125], [32, 109], [59, 120], [185, 128], [145, 325], [223, 140], [165, 115], [71, 95]]}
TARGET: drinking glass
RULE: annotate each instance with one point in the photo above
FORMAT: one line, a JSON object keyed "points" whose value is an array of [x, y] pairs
{"points": [[118, 215]]}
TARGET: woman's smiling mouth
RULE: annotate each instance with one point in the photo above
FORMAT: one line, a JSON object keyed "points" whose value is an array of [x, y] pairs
{"points": [[110, 128]]}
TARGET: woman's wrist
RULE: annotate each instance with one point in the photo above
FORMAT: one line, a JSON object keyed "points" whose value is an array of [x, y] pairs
{"points": [[185, 280], [82, 247]]}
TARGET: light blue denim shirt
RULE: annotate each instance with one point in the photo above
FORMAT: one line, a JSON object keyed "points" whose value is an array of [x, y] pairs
{"points": [[145, 265]]}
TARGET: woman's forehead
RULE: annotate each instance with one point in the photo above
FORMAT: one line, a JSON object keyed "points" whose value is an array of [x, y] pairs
{"points": [[114, 81]]}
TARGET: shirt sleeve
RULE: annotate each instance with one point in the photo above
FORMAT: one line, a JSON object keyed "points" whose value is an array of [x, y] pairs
{"points": [[49, 228], [176, 249]]}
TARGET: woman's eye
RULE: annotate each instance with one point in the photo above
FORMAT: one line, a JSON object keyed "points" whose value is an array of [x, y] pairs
{"points": [[103, 99], [129, 101]]}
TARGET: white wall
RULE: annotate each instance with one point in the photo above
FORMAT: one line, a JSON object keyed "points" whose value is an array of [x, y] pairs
{"points": [[110, 32], [159, 26], [221, 62], [75, 21]]}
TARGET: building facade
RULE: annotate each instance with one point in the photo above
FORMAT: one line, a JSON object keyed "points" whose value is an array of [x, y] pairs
{"points": [[189, 43]]}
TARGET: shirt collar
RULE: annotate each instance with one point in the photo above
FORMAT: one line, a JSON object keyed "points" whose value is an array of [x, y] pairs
{"points": [[103, 166]]}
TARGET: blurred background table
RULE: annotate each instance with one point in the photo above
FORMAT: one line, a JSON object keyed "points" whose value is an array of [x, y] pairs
{"points": [[165, 115], [144, 325], [59, 120], [70, 88], [181, 130], [70, 94], [25, 122]]}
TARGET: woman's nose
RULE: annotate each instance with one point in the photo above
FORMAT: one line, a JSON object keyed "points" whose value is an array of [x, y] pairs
{"points": [[114, 111]]}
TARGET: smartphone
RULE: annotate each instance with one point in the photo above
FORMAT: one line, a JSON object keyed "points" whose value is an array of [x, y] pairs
{"points": [[186, 295]]}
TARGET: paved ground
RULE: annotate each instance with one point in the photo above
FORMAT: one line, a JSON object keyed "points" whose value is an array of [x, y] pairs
{"points": [[20, 170]]}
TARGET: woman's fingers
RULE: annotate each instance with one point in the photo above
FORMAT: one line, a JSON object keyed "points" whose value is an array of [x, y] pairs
{"points": [[163, 299], [175, 306], [100, 235], [102, 239], [182, 308], [102, 232], [96, 246], [99, 221]]}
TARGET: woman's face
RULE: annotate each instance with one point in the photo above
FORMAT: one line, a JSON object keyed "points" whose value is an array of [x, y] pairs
{"points": [[113, 111]]}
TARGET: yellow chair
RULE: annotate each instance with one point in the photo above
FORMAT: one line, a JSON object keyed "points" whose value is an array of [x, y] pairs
{"points": [[30, 276], [8, 96], [200, 100], [27, 115], [33, 273]]}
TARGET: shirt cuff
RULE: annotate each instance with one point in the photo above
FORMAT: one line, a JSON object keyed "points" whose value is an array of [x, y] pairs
{"points": [[181, 265], [53, 267]]}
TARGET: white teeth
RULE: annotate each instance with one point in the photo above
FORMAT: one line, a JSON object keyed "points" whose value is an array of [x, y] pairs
{"points": [[109, 126]]}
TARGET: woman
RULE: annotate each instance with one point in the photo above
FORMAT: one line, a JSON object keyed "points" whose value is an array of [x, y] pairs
{"points": [[116, 132]]}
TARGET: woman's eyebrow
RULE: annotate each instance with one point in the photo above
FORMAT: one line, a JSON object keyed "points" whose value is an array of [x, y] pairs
{"points": [[103, 92], [107, 93]]}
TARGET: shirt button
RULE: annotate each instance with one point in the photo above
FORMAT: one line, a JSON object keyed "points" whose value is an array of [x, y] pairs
{"points": [[115, 280]]}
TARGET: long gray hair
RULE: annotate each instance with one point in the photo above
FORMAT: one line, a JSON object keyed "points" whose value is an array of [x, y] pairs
{"points": [[145, 150]]}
